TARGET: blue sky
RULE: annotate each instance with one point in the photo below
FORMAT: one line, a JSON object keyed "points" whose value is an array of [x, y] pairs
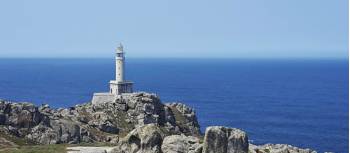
{"points": [[177, 28]]}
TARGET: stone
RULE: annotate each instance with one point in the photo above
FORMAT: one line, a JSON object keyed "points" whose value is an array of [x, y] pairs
{"points": [[108, 127], [91, 122], [145, 139], [181, 144], [113, 139], [148, 108], [169, 115], [219, 139], [149, 126], [3, 118], [121, 107], [185, 118], [43, 135]]}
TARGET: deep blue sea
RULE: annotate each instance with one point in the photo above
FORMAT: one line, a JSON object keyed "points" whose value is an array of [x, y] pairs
{"points": [[299, 102]]}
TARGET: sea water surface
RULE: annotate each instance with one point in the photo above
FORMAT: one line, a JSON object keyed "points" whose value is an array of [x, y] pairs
{"points": [[298, 102]]}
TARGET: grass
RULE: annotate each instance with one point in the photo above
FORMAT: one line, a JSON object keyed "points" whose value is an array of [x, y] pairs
{"points": [[16, 140], [53, 148], [95, 144], [179, 117], [22, 145], [120, 120], [181, 121]]}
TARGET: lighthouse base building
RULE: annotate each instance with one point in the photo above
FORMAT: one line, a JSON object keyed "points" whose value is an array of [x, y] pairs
{"points": [[117, 87], [120, 87]]}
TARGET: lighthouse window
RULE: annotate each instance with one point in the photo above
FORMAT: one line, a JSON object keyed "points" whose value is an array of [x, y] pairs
{"points": [[119, 54]]}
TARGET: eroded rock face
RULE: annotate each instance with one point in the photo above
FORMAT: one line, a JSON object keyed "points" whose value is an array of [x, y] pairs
{"points": [[181, 144], [151, 138], [277, 148], [185, 118], [19, 115], [220, 139], [101, 122], [138, 109], [144, 139], [134, 123]]}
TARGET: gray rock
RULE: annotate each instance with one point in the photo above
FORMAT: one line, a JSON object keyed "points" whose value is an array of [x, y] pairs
{"points": [[108, 127], [3, 118], [140, 116], [43, 135], [121, 107], [145, 139], [99, 121], [68, 131], [181, 144], [185, 118], [220, 139]]}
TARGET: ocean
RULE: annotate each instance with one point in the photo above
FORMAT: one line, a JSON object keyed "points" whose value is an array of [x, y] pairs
{"points": [[302, 102]]}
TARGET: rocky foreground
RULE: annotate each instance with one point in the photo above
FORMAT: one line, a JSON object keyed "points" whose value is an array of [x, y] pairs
{"points": [[133, 123]]}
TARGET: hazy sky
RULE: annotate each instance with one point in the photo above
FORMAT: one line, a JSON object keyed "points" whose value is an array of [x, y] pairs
{"points": [[176, 28]]}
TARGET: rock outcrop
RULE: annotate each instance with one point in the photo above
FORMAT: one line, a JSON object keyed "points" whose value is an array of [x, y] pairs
{"points": [[217, 139], [185, 118], [132, 123], [103, 122], [144, 139], [225, 140], [181, 144]]}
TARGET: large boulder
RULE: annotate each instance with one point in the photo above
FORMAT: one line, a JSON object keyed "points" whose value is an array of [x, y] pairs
{"points": [[181, 144], [43, 135], [19, 115], [58, 131], [144, 139], [220, 139]]}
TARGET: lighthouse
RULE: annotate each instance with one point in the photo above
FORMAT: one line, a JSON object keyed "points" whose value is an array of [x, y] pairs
{"points": [[119, 85]]}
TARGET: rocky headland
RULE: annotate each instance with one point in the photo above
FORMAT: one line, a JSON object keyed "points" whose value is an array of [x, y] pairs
{"points": [[133, 123]]}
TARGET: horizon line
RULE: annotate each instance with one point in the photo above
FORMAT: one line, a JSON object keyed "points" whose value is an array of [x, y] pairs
{"points": [[49, 57]]}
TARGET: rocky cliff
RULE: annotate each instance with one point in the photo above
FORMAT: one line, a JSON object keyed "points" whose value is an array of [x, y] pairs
{"points": [[136, 123]]}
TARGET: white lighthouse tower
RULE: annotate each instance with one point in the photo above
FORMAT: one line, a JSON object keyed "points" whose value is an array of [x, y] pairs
{"points": [[119, 85], [119, 64]]}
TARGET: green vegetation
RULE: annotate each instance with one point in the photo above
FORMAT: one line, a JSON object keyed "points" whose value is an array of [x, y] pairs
{"points": [[13, 144], [120, 120], [95, 144], [179, 117], [9, 141], [53, 148]]}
